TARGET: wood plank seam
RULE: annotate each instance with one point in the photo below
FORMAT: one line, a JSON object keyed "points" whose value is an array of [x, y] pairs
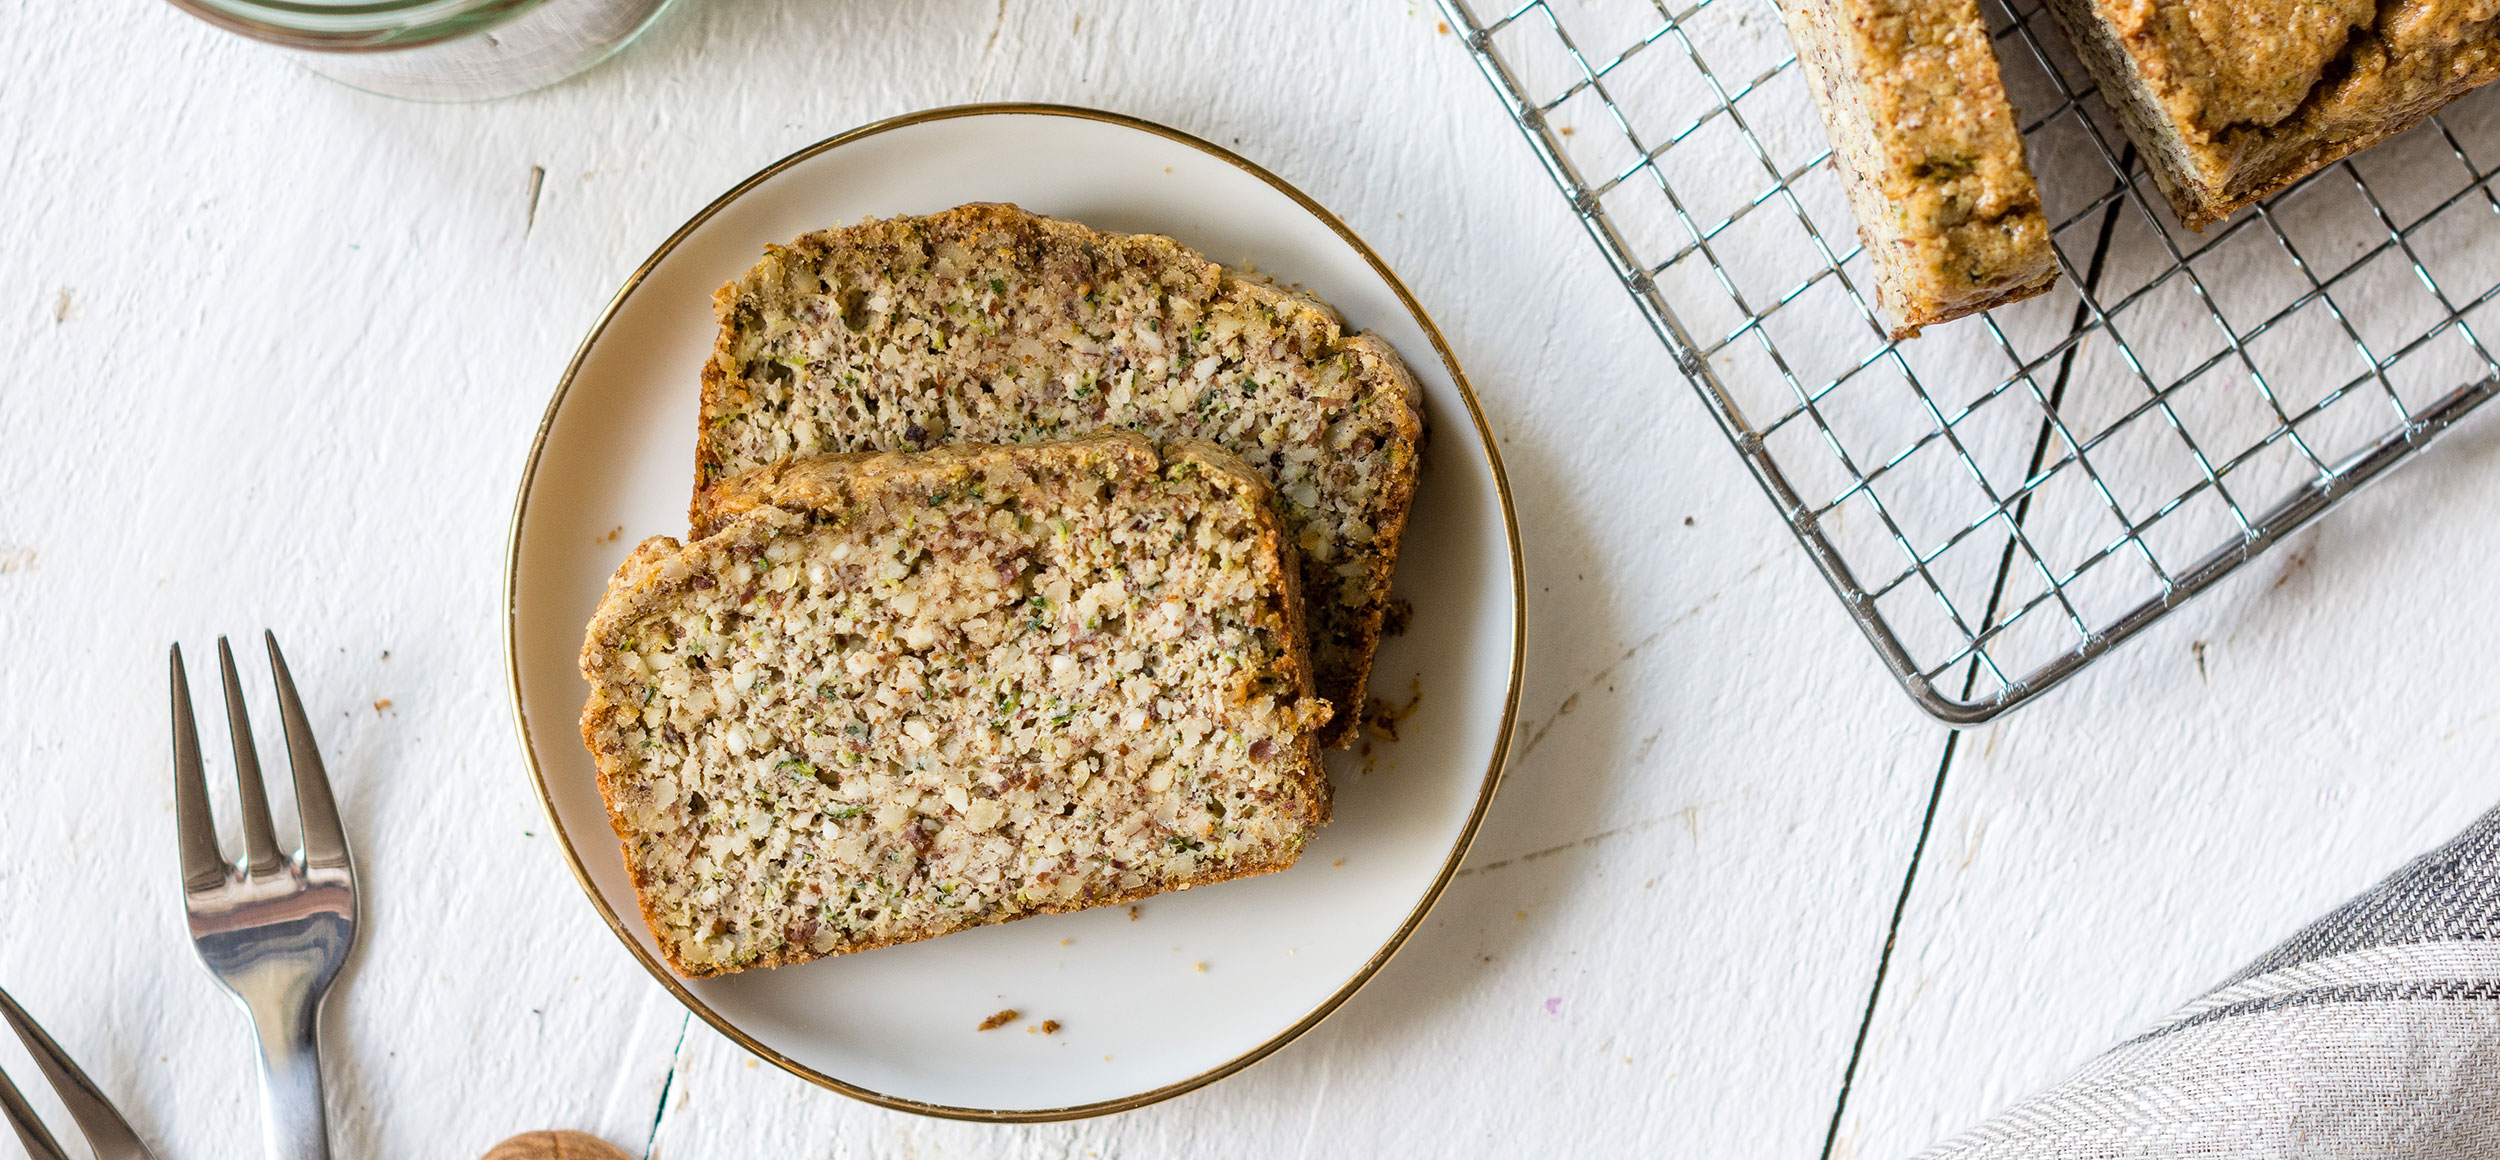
{"points": [[1970, 676], [659, 1110]]}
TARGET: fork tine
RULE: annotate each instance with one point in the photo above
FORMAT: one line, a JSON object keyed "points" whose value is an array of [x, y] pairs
{"points": [[104, 1127], [30, 1131], [203, 868], [325, 843], [260, 842]]}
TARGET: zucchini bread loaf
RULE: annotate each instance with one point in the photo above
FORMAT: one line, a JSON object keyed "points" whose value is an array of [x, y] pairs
{"points": [[987, 324], [898, 695], [2232, 100], [1929, 153]]}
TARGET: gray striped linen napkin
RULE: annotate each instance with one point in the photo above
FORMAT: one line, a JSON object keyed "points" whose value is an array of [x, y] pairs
{"points": [[2373, 1033]]}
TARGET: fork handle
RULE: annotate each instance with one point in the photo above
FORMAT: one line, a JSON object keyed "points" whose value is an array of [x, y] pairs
{"points": [[293, 1124]]}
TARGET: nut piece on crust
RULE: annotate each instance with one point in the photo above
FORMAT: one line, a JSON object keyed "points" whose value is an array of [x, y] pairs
{"points": [[987, 324], [898, 695], [1929, 153]]}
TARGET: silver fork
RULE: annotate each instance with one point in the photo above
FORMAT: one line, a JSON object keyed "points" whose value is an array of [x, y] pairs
{"points": [[106, 1131], [274, 929]]}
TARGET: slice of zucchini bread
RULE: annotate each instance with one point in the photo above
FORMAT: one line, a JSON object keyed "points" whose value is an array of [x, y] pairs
{"points": [[2232, 100], [987, 324], [898, 695], [1929, 154]]}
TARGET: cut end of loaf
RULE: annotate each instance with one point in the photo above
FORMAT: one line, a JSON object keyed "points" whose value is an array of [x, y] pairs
{"points": [[899, 695], [1929, 153]]}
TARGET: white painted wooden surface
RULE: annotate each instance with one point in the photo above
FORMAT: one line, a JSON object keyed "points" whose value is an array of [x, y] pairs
{"points": [[276, 353]]}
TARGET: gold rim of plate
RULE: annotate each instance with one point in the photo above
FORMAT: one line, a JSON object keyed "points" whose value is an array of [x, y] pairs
{"points": [[1414, 919]]}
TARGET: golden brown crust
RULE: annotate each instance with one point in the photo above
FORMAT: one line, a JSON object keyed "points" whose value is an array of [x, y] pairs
{"points": [[2231, 101], [1929, 153], [782, 499], [1019, 365], [1979, 302]]}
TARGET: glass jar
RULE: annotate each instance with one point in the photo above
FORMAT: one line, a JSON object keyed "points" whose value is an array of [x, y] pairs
{"points": [[438, 50]]}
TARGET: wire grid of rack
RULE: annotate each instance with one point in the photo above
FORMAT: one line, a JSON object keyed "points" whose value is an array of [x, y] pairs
{"points": [[2004, 500]]}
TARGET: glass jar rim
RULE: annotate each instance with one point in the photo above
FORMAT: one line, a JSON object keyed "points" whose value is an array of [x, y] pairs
{"points": [[366, 26]]}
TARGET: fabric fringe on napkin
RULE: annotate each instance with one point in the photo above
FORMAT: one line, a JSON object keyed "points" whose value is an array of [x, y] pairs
{"points": [[2375, 1032]]}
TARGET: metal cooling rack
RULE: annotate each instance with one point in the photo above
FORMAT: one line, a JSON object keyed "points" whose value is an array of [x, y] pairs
{"points": [[2009, 497]]}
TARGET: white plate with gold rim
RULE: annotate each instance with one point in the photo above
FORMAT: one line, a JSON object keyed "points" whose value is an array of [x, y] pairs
{"points": [[1195, 986]]}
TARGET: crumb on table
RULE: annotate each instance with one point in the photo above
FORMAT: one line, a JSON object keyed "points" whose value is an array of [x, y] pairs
{"points": [[999, 1020]]}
